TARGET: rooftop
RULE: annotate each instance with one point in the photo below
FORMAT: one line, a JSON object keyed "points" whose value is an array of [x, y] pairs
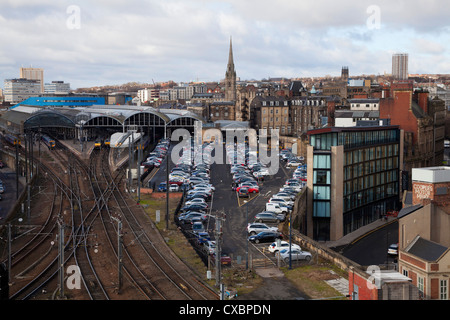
{"points": [[431, 174]]}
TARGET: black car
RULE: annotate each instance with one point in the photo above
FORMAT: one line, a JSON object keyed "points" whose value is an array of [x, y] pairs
{"points": [[198, 195], [187, 218], [194, 207], [265, 236]]}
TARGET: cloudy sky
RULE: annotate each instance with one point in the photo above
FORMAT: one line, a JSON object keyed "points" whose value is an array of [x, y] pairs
{"points": [[106, 42]]}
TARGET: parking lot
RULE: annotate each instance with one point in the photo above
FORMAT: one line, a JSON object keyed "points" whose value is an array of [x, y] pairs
{"points": [[236, 211]]}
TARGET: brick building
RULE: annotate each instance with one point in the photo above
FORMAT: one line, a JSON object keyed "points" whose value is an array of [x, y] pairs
{"points": [[376, 284], [424, 240], [423, 121]]}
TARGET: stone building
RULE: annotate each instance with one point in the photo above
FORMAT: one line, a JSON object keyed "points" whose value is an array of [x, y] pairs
{"points": [[424, 240]]}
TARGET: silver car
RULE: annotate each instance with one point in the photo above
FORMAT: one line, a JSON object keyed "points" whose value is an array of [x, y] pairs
{"points": [[296, 254]]}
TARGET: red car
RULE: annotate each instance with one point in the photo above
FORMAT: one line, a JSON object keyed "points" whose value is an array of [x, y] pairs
{"points": [[251, 189]]}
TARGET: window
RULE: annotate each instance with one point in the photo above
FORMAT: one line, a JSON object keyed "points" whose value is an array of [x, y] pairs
{"points": [[321, 193], [321, 177], [443, 295], [321, 209], [420, 285], [322, 161]]}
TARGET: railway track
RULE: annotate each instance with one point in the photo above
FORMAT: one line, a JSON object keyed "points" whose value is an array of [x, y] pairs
{"points": [[97, 206]]}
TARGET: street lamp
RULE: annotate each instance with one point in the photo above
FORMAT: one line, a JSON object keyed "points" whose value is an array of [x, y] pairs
{"points": [[246, 219]]}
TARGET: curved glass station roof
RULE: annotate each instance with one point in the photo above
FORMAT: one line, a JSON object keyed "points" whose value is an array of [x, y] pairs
{"points": [[104, 116]]}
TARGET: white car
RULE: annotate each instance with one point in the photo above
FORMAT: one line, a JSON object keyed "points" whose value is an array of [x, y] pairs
{"points": [[195, 201], [255, 228], [174, 188], [296, 254], [275, 199], [205, 185], [274, 247], [210, 247]]}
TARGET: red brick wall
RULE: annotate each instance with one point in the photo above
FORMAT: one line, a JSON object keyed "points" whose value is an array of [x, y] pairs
{"points": [[397, 108], [413, 261], [365, 290], [422, 190]]}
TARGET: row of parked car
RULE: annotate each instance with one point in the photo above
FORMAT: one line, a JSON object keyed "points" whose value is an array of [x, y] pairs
{"points": [[246, 171], [193, 176], [154, 158], [277, 207]]}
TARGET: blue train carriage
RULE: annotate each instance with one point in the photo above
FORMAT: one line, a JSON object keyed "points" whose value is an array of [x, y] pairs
{"points": [[107, 142], [49, 142]]}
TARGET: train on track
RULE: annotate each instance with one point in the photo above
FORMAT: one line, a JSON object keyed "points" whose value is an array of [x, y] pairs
{"points": [[49, 142], [97, 144], [12, 139], [144, 145]]}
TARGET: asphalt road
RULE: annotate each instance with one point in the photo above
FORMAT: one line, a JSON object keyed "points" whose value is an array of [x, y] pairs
{"points": [[372, 249]]}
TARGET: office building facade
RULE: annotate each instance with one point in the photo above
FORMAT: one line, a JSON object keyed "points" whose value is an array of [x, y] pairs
{"points": [[34, 74], [18, 90], [353, 178]]}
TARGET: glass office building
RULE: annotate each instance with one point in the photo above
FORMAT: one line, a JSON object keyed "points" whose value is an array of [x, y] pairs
{"points": [[353, 178]]}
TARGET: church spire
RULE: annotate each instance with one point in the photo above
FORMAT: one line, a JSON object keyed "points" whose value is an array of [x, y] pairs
{"points": [[230, 77], [230, 57]]}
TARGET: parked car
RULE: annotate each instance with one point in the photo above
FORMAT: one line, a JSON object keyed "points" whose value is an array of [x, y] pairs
{"points": [[251, 188], [210, 247], [267, 217], [292, 164], [198, 195], [186, 218], [174, 188], [203, 237], [2, 189], [195, 201], [195, 207], [275, 207], [243, 193], [393, 249], [198, 227], [274, 247], [296, 254], [265, 236], [254, 228], [225, 259], [162, 187]]}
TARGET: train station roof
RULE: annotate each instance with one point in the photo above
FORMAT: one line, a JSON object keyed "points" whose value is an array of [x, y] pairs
{"points": [[28, 116]]}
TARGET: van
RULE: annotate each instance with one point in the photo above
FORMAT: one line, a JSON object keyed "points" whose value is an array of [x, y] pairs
{"points": [[275, 207]]}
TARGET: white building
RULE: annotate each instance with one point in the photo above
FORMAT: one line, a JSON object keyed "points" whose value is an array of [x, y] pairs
{"points": [[57, 87], [364, 104], [18, 90]]}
